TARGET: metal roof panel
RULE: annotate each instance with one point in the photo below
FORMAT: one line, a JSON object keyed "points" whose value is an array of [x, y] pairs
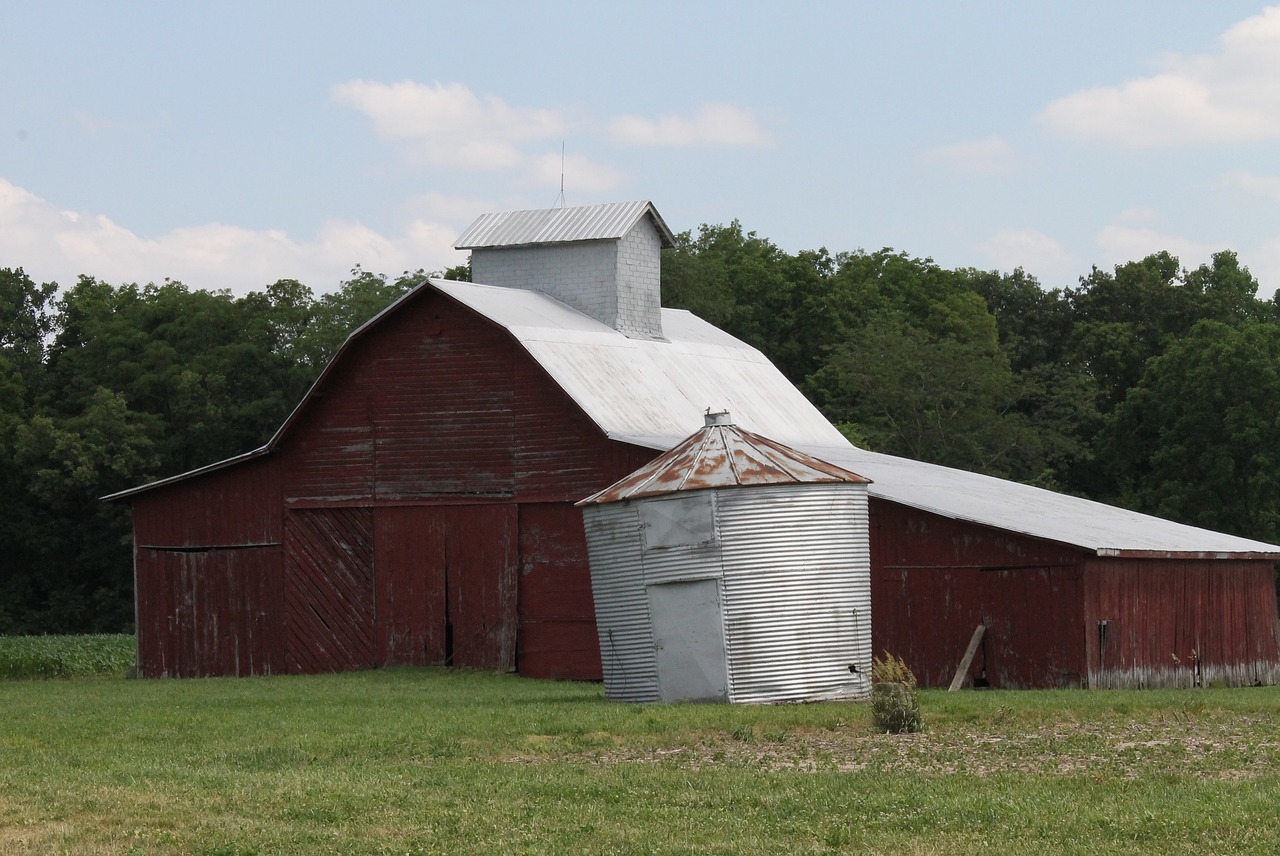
{"points": [[559, 225], [723, 455]]}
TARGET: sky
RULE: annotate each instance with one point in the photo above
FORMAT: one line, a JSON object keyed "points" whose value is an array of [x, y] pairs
{"points": [[231, 144]]}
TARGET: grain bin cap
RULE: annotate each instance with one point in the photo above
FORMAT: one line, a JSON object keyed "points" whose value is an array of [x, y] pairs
{"points": [[723, 455]]}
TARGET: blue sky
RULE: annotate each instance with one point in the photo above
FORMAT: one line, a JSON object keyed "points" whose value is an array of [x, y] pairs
{"points": [[231, 144]]}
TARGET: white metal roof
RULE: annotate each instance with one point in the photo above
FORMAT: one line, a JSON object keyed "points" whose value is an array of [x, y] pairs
{"points": [[557, 225], [654, 393]]}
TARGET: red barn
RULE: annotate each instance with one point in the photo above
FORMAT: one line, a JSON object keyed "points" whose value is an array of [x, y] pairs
{"points": [[417, 506]]}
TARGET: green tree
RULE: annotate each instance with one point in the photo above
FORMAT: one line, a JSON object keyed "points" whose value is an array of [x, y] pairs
{"points": [[1198, 439], [914, 362]]}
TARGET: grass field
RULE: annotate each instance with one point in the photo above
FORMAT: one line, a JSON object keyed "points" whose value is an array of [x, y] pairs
{"points": [[409, 761]]}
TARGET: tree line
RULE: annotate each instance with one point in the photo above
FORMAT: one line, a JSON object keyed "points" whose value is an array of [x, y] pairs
{"points": [[1148, 386]]}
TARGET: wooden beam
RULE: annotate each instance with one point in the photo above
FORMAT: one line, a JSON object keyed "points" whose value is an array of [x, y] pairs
{"points": [[963, 668]]}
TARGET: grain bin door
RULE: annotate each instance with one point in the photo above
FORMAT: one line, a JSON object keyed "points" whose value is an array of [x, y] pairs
{"points": [[688, 638]]}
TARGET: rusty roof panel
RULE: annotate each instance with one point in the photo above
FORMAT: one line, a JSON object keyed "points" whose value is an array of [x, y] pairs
{"points": [[723, 455]]}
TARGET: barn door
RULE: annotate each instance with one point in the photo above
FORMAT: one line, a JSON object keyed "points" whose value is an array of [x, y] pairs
{"points": [[329, 590], [446, 585]]}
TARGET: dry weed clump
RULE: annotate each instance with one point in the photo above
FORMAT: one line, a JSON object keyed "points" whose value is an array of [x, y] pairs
{"points": [[895, 701]]}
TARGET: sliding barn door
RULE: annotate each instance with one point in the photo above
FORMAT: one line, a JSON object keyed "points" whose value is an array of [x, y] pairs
{"points": [[329, 603], [446, 585]]}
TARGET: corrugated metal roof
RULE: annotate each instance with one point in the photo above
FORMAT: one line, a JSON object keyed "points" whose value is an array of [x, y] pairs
{"points": [[647, 393], [559, 225], [723, 455]]}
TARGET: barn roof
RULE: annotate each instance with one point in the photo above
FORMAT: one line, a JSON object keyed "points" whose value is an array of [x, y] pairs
{"points": [[651, 393], [721, 454], [558, 225]]}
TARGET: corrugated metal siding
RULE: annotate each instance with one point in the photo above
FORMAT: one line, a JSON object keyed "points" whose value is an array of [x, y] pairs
{"points": [[1180, 623], [329, 590], [622, 612], [557, 617], [556, 225], [796, 591], [215, 612]]}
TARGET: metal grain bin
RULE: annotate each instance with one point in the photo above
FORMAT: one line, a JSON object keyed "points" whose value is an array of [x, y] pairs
{"points": [[732, 568]]}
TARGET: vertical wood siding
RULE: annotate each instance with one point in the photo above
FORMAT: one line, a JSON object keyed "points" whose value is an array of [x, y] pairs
{"points": [[237, 506], [329, 590], [935, 579], [411, 611], [215, 612], [557, 616], [1180, 623], [446, 585], [481, 550]]}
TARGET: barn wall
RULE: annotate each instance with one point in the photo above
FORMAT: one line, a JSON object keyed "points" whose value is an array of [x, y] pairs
{"points": [[1180, 623], [233, 507], [557, 615], [209, 612], [934, 580], [443, 404], [421, 511]]}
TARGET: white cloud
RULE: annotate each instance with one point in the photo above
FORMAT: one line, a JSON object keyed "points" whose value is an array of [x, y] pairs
{"points": [[711, 125], [580, 174], [988, 156], [1265, 267], [1034, 252], [449, 125], [1229, 95], [1120, 244], [58, 246], [1252, 184]]}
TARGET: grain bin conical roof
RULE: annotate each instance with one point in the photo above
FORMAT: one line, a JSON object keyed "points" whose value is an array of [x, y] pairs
{"points": [[723, 455]]}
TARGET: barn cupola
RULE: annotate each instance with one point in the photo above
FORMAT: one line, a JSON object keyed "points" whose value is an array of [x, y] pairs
{"points": [[603, 260]]}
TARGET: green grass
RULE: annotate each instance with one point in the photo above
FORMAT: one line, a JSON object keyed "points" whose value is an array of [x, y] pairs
{"points": [[408, 761], [103, 655]]}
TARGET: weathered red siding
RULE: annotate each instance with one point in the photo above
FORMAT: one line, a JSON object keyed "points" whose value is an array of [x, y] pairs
{"points": [[557, 613], [442, 405], [329, 590], [210, 612], [233, 507], [1180, 622], [417, 509], [934, 580]]}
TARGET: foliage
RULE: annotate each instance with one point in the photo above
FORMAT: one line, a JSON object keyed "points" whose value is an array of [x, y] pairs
{"points": [[895, 700], [103, 655], [1146, 385], [424, 761], [104, 387]]}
